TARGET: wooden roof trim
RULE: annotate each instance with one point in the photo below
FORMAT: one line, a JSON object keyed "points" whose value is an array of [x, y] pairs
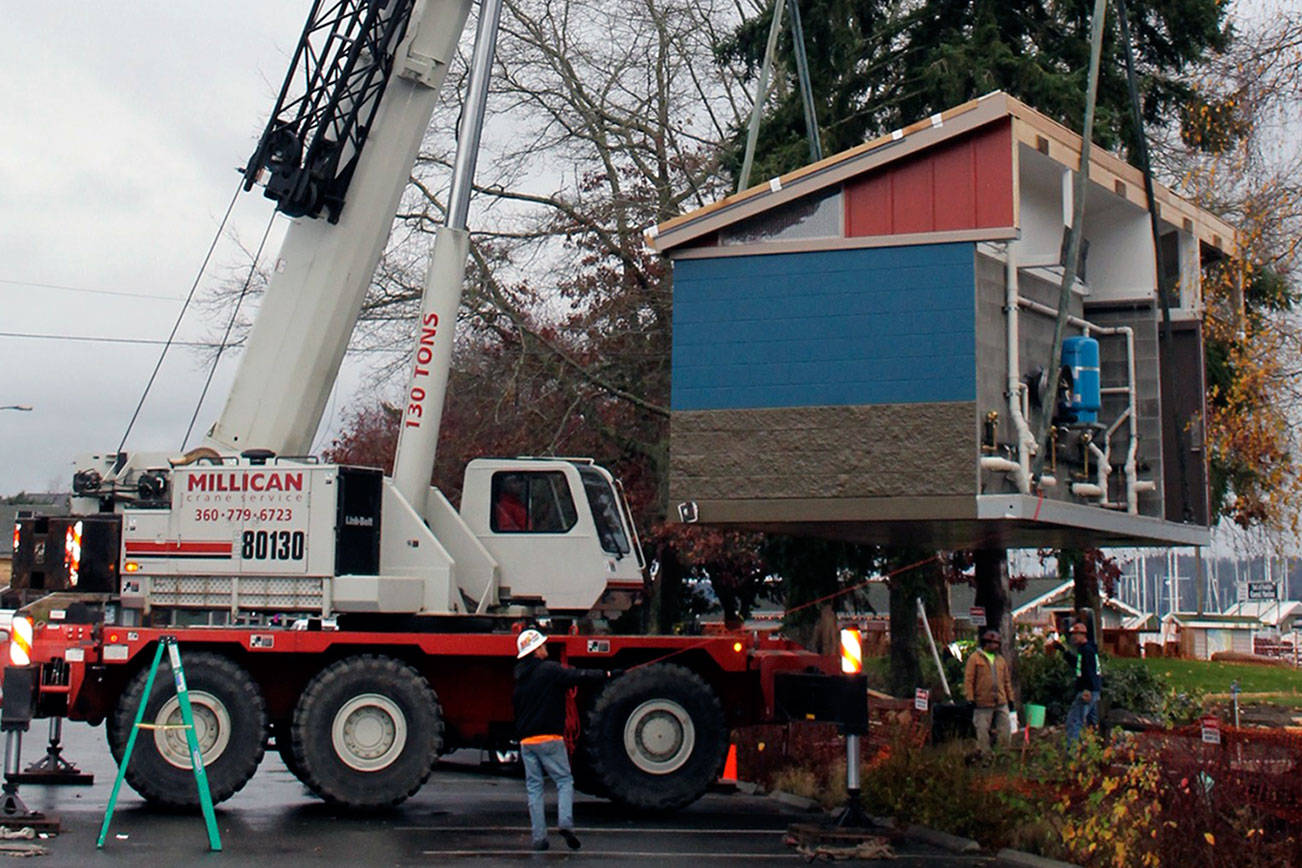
{"points": [[827, 172], [858, 242], [1106, 169]]}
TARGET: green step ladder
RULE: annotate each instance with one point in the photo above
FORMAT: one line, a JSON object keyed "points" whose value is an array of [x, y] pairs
{"points": [[187, 724]]}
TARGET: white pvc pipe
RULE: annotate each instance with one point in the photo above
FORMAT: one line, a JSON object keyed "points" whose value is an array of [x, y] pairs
{"points": [[999, 465], [1026, 445], [1101, 461]]}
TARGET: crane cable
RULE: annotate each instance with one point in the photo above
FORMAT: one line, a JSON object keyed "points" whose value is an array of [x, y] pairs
{"points": [[1163, 280], [1073, 244], [177, 325], [230, 324]]}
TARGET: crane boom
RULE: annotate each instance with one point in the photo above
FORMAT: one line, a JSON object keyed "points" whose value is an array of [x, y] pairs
{"points": [[432, 356], [324, 268]]}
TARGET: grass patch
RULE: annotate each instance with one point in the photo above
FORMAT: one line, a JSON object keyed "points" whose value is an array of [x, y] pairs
{"points": [[1282, 682]]}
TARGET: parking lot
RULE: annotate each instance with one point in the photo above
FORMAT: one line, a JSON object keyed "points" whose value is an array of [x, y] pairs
{"points": [[464, 814]]}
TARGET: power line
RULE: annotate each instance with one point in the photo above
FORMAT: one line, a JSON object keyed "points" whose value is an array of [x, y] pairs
{"points": [[103, 339], [88, 291], [210, 345]]}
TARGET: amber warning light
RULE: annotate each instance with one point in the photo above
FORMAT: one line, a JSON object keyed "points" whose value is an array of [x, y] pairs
{"points": [[851, 652], [20, 641], [72, 553]]}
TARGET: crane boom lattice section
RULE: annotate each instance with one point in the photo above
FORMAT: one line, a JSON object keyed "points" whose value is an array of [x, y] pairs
{"points": [[308, 151]]}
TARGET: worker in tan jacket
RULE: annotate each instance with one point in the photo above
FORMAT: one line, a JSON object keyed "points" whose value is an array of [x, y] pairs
{"points": [[988, 685]]}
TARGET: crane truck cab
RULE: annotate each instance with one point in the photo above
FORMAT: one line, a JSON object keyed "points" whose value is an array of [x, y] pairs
{"points": [[559, 529]]}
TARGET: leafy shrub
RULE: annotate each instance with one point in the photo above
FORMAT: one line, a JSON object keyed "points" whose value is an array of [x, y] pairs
{"points": [[1180, 708], [1107, 810], [937, 787], [1048, 680], [878, 670], [1135, 688], [1138, 688], [953, 673]]}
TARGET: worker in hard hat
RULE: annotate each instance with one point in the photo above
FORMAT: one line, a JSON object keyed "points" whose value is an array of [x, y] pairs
{"points": [[1089, 682], [539, 699], [988, 686]]}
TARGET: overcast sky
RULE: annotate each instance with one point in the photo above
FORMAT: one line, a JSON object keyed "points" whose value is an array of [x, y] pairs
{"points": [[123, 127]]}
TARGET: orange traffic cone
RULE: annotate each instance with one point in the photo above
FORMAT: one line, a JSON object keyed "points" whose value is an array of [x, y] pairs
{"points": [[729, 775]]}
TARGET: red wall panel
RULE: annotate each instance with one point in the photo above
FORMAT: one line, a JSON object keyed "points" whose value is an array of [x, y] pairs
{"points": [[962, 184]]}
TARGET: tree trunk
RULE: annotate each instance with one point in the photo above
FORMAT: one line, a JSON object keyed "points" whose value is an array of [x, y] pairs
{"points": [[1084, 591], [993, 595], [810, 572], [905, 589], [938, 610], [667, 592], [906, 670]]}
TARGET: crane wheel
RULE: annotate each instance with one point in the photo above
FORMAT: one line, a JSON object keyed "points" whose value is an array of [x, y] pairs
{"points": [[655, 738], [230, 723], [283, 740], [366, 732], [585, 778]]}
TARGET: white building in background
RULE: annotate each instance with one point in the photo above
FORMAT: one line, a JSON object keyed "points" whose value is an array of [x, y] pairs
{"points": [[1281, 616], [1200, 636]]}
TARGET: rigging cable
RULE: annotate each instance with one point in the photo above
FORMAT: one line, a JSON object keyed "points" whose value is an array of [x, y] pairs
{"points": [[1165, 365], [177, 325], [1072, 244], [230, 324]]}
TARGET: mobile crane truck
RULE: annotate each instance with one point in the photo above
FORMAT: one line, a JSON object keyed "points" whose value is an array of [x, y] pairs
{"points": [[358, 624]]}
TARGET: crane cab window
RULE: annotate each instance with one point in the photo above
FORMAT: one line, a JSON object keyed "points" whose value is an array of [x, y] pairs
{"points": [[532, 502], [605, 512]]}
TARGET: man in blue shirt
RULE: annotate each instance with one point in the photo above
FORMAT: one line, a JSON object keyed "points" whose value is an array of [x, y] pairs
{"points": [[1089, 682]]}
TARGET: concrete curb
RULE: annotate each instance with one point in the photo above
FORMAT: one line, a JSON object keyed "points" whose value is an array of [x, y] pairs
{"points": [[1030, 860], [791, 800], [944, 840], [746, 788]]}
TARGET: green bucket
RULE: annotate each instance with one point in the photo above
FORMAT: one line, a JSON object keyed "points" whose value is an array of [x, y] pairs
{"points": [[1034, 715]]}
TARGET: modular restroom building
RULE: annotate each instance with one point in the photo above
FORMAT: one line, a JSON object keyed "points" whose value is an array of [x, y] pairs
{"points": [[860, 345]]}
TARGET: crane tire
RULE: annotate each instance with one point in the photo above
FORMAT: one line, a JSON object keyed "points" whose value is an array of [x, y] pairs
{"points": [[655, 738], [282, 738], [585, 778], [111, 730], [366, 732], [230, 722]]}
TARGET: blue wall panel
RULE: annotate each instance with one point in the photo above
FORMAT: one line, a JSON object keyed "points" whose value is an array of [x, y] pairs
{"points": [[884, 325]]}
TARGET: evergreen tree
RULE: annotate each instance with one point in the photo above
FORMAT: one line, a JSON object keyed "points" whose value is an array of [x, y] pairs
{"points": [[877, 65]]}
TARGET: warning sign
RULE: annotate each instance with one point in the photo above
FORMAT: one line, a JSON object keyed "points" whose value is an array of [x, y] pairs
{"points": [[978, 615]]}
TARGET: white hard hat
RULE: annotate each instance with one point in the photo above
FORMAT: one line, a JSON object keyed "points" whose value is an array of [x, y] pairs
{"points": [[528, 642]]}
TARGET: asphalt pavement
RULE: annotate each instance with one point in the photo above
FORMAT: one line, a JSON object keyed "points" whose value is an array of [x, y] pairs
{"points": [[464, 814]]}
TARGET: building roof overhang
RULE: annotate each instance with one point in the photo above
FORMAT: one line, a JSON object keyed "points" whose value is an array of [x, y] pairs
{"points": [[1031, 128]]}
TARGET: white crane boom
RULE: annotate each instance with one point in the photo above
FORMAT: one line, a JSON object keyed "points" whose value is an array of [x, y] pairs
{"points": [[324, 269]]}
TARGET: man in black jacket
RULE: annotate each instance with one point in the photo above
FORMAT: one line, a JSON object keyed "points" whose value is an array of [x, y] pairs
{"points": [[1089, 682], [539, 699]]}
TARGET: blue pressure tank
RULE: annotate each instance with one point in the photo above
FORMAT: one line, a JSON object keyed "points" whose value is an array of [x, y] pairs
{"points": [[1080, 355]]}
